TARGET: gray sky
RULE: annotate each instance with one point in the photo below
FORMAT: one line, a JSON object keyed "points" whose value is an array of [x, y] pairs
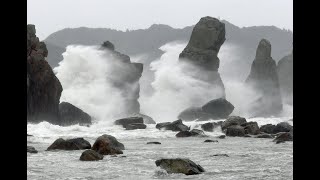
{"points": [[52, 15]]}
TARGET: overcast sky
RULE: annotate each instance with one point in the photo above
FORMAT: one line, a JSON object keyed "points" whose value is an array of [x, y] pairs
{"points": [[52, 15]]}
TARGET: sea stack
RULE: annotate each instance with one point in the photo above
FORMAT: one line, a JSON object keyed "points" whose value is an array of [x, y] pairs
{"points": [[43, 87], [202, 51], [128, 81], [285, 73], [263, 79]]}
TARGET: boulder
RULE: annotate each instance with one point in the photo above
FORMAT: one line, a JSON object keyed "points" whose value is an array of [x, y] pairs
{"points": [[210, 126], [282, 127], [70, 115], [107, 145], [233, 120], [184, 166], [31, 149], [287, 136], [135, 126], [222, 136], [193, 132], [251, 128], [268, 128], [146, 119], [218, 108], [69, 144], [173, 126], [193, 113], [263, 79], [90, 155], [43, 87], [130, 120], [153, 143], [235, 130]]}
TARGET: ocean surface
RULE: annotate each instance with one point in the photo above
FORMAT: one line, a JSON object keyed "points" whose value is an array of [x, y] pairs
{"points": [[249, 158]]}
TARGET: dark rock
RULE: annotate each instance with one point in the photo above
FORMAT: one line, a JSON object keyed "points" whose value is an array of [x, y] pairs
{"points": [[225, 155], [247, 135], [218, 108], [285, 73], [194, 113], [107, 145], [90, 155], [29, 135], [153, 143], [235, 130], [209, 140], [193, 132], [173, 126], [31, 149], [263, 78], [135, 126], [70, 115], [251, 128], [282, 127], [130, 120], [233, 120], [268, 128], [184, 166], [69, 144], [222, 136], [108, 45], [207, 127], [43, 87], [146, 119], [264, 136], [287, 136]]}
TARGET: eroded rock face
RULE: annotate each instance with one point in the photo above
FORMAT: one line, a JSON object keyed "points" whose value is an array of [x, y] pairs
{"points": [[107, 145], [43, 87], [285, 73], [70, 115], [178, 165], [202, 52], [128, 81], [263, 78]]}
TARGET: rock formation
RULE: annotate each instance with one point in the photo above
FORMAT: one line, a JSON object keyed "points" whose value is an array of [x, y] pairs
{"points": [[128, 81], [70, 115], [202, 51], [285, 73], [178, 165], [43, 87], [69, 144], [107, 145], [263, 78]]}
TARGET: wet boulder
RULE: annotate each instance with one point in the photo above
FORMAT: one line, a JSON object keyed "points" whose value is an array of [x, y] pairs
{"points": [[193, 133], [146, 119], [173, 126], [134, 126], [210, 126], [263, 136], [90, 155], [69, 144], [184, 166], [70, 115], [194, 113], [268, 128], [283, 137], [209, 140], [31, 149], [107, 145], [153, 142], [251, 128], [218, 108], [130, 120], [233, 120], [235, 130], [282, 127]]}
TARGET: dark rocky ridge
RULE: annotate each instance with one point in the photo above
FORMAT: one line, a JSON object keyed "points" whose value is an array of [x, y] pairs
{"points": [[285, 73], [43, 87], [263, 78]]}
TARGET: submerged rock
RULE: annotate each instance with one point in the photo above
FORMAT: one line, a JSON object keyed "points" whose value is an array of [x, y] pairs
{"points": [[263, 78], [70, 115], [222, 136], [222, 155], [153, 143], [107, 145], [184, 166], [209, 140], [193, 132], [69, 144], [173, 126], [218, 108], [134, 126], [264, 136], [90, 155], [287, 136], [146, 119], [31, 149]]}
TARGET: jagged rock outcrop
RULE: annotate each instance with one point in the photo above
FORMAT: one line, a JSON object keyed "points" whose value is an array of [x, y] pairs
{"points": [[43, 87], [263, 78], [70, 115], [285, 73], [202, 51], [126, 79]]}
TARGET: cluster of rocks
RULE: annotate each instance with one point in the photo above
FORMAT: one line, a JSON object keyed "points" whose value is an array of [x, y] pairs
{"points": [[44, 88], [215, 109], [136, 122]]}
